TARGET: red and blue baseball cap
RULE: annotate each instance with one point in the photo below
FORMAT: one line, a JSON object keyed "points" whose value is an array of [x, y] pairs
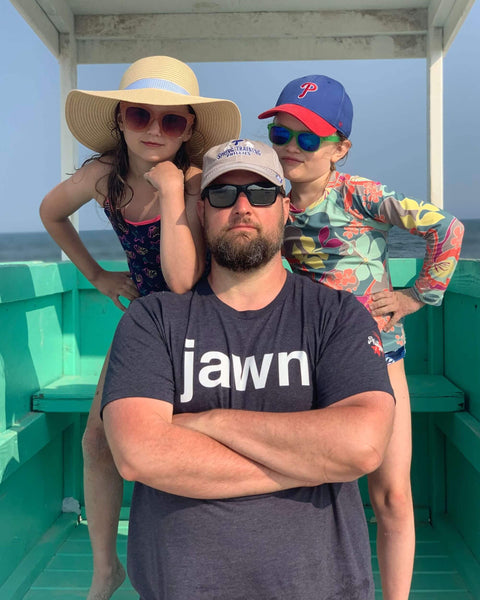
{"points": [[319, 102]]}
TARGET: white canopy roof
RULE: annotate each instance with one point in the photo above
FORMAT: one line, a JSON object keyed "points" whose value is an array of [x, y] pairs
{"points": [[121, 31]]}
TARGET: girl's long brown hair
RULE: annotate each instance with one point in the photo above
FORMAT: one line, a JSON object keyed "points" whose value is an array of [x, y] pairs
{"points": [[119, 192]]}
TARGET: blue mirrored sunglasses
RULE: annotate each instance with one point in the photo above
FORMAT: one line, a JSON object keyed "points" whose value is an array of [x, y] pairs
{"points": [[306, 140]]}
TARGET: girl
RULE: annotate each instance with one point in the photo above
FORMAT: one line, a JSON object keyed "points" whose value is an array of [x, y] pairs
{"points": [[150, 136], [337, 235]]}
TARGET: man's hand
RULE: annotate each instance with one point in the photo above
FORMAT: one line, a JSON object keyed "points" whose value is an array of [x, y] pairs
{"points": [[397, 304]]}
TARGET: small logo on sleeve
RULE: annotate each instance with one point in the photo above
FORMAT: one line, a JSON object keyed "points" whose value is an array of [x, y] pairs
{"points": [[375, 344]]}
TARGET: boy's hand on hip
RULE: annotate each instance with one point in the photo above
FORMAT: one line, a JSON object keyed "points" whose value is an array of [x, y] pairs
{"points": [[397, 304]]}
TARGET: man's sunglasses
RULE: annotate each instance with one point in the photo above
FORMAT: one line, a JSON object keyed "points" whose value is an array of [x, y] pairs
{"points": [[306, 140], [224, 195], [137, 118]]}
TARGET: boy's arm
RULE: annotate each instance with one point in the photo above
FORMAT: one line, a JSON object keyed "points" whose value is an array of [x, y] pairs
{"points": [[443, 234]]}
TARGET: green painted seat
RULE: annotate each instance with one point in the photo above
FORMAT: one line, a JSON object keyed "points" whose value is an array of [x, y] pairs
{"points": [[74, 394]]}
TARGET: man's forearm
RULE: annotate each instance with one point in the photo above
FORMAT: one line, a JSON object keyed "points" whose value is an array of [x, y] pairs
{"points": [[181, 461], [338, 443]]}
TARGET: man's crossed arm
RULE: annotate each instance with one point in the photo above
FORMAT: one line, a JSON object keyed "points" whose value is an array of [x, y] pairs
{"points": [[226, 453]]}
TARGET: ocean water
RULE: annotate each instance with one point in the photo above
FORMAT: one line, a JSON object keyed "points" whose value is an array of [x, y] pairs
{"points": [[104, 245]]}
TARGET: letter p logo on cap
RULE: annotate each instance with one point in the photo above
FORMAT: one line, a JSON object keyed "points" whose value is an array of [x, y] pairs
{"points": [[308, 86]]}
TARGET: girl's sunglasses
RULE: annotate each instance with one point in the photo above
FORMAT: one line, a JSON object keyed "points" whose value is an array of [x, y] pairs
{"points": [[306, 140], [224, 195], [137, 118]]}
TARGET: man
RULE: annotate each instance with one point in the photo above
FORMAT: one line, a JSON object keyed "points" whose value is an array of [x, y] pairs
{"points": [[245, 410]]}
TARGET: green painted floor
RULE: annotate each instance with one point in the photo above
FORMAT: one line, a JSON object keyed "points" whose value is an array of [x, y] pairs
{"points": [[69, 572]]}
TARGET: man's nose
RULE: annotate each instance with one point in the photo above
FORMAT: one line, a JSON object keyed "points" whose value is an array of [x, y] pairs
{"points": [[242, 204]]}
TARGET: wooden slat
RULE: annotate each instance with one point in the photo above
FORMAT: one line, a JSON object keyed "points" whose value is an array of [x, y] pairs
{"points": [[74, 393], [247, 25], [463, 431], [192, 50], [68, 574], [37, 559], [71, 393], [434, 393]]}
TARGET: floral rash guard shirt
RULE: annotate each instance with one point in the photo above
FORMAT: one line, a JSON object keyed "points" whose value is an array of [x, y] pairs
{"points": [[341, 241]]}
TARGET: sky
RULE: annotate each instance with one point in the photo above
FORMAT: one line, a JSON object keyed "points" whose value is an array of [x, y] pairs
{"points": [[389, 128]]}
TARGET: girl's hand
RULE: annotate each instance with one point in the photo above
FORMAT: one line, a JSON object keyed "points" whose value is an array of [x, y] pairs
{"points": [[167, 178], [115, 284], [396, 304]]}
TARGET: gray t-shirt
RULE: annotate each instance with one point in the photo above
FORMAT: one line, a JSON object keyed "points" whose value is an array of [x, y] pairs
{"points": [[310, 347]]}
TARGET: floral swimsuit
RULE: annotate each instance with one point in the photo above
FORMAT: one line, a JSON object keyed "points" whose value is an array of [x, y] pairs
{"points": [[141, 242], [341, 241]]}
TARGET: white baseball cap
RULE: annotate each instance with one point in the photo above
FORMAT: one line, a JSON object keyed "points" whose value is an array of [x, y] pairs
{"points": [[242, 155]]}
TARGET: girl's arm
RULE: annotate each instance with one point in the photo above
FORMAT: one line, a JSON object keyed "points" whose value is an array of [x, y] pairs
{"points": [[443, 235], [55, 210], [182, 250]]}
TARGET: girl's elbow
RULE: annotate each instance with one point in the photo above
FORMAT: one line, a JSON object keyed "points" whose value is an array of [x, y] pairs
{"points": [[178, 287], [42, 211], [181, 285], [47, 212]]}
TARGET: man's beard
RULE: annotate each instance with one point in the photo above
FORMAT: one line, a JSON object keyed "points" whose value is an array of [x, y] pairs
{"points": [[240, 253]]}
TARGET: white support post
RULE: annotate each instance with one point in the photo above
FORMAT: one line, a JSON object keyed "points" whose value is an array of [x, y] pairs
{"points": [[68, 81], [435, 114], [68, 163]]}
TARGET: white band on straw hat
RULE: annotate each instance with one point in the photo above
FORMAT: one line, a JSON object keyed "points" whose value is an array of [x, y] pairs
{"points": [[158, 84]]}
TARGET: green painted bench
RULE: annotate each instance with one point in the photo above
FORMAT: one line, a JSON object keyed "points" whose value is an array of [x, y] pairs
{"points": [[74, 394]]}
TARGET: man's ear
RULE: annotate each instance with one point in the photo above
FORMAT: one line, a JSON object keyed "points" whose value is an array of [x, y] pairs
{"points": [[286, 209]]}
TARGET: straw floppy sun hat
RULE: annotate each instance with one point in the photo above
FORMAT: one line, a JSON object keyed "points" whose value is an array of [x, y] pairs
{"points": [[156, 80]]}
